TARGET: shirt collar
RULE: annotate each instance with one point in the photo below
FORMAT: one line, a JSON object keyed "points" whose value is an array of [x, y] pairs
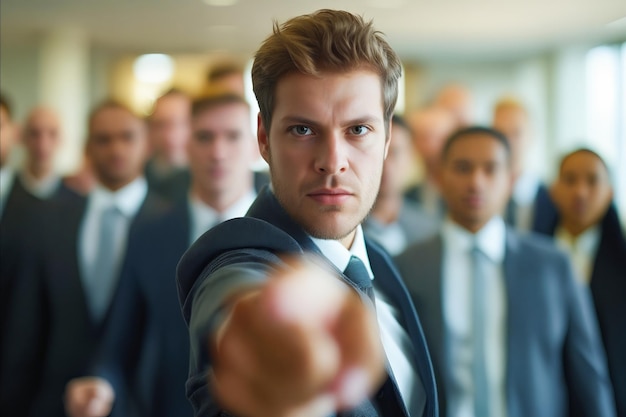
{"points": [[6, 179], [490, 239], [205, 215], [41, 188], [127, 199], [586, 242], [340, 256]]}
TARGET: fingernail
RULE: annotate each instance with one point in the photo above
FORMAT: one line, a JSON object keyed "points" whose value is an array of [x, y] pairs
{"points": [[353, 387]]}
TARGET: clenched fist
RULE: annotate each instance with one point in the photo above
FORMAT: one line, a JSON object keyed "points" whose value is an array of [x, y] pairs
{"points": [[88, 397]]}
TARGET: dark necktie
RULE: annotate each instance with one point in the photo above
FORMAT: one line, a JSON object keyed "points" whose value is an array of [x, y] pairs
{"points": [[358, 275]]}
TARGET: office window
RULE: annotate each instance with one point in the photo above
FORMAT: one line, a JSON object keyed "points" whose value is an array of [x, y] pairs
{"points": [[606, 112]]}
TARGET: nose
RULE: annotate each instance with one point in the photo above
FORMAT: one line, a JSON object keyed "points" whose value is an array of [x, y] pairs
{"points": [[219, 148], [477, 179], [332, 158]]}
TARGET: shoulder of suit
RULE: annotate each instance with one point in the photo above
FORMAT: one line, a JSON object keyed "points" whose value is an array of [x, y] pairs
{"points": [[418, 250], [242, 233]]}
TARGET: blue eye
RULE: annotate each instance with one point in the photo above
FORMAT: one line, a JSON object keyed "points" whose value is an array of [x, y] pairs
{"points": [[359, 130], [301, 130]]}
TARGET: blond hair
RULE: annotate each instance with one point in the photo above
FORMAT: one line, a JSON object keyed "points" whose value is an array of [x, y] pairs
{"points": [[327, 40]]}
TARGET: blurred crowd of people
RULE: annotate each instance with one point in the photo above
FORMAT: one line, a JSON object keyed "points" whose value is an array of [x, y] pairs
{"points": [[89, 306]]}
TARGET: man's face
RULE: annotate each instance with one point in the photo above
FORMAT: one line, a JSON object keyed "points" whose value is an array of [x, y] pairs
{"points": [[513, 122], [221, 148], [475, 180], [42, 133], [583, 191], [7, 135], [117, 146], [325, 149], [398, 163], [169, 128]]}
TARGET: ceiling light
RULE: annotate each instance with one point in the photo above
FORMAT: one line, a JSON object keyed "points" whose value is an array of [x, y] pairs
{"points": [[153, 68], [220, 3]]}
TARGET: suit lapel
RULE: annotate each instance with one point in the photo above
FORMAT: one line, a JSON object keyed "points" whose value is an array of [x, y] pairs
{"points": [[388, 280], [517, 296]]}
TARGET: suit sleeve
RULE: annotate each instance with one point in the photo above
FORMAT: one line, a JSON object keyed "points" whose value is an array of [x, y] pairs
{"points": [[228, 274], [590, 390]]}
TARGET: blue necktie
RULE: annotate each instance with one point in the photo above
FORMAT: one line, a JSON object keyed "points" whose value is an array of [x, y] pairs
{"points": [[388, 398], [358, 275], [479, 368]]}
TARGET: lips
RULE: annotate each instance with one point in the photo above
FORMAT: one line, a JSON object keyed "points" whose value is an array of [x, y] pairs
{"points": [[473, 201], [330, 196]]}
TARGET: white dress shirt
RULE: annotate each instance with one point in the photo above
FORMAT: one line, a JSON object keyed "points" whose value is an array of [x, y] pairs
{"points": [[40, 188], [582, 250], [457, 315], [6, 183], [395, 340], [128, 201], [203, 217]]}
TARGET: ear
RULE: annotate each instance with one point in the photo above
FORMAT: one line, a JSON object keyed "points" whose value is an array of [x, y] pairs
{"points": [[263, 139]]}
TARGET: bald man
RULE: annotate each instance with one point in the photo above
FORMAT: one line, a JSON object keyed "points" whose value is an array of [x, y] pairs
{"points": [[430, 127], [457, 99], [530, 201], [41, 139]]}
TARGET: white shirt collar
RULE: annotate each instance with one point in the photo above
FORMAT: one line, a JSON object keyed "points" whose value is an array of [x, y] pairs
{"points": [[582, 250], [340, 256], [127, 199], [41, 188], [6, 180], [587, 242], [203, 216], [491, 239]]}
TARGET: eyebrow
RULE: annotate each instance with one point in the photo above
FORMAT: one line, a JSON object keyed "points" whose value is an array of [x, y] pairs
{"points": [[367, 119]]}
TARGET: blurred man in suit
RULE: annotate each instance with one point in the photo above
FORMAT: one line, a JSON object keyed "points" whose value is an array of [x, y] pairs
{"points": [[275, 335], [430, 127], [395, 221], [530, 199], [12, 225], [146, 314], [588, 228], [62, 299], [168, 131], [510, 331]]}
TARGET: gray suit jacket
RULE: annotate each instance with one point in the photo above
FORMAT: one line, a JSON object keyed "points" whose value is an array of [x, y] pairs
{"points": [[554, 355]]}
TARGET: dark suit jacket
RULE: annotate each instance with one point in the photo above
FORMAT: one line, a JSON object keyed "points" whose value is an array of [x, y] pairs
{"points": [[20, 224], [52, 337], [145, 346], [553, 348], [255, 240], [608, 288]]}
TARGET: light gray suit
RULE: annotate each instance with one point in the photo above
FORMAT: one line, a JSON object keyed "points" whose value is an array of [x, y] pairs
{"points": [[555, 365]]}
